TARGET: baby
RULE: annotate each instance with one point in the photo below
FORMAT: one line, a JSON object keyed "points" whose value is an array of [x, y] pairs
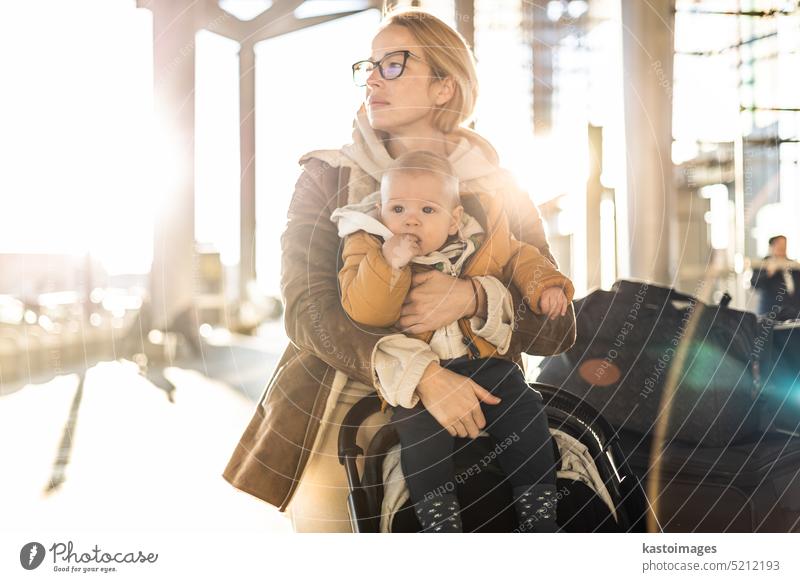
{"points": [[417, 221]]}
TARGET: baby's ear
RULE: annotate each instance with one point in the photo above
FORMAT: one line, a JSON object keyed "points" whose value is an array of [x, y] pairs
{"points": [[455, 219]]}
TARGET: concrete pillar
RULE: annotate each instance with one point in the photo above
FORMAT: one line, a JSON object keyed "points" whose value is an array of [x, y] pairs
{"points": [[647, 46], [172, 276], [465, 20], [247, 154], [594, 195], [542, 36]]}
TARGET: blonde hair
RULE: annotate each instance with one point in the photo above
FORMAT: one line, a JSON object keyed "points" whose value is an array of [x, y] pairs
{"points": [[425, 162], [448, 55]]}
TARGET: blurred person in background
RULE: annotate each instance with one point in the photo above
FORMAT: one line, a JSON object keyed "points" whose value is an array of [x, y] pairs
{"points": [[777, 282]]}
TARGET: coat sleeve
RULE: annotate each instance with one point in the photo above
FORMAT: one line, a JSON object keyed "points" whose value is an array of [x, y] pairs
{"points": [[372, 292], [532, 273], [497, 327], [399, 363], [313, 313]]}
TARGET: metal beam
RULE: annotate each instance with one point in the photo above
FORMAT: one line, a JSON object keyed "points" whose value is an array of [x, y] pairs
{"points": [[276, 21], [287, 25], [247, 160], [465, 20]]}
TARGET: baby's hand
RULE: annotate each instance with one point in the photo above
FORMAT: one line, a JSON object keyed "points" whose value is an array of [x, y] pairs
{"points": [[400, 249], [553, 302]]}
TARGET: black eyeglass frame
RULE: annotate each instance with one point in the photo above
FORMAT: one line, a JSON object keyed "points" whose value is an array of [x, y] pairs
{"points": [[405, 53]]}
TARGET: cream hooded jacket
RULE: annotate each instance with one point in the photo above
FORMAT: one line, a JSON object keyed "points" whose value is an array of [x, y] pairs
{"points": [[399, 360]]}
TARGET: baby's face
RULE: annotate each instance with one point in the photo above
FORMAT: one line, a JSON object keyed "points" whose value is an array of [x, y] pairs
{"points": [[419, 204]]}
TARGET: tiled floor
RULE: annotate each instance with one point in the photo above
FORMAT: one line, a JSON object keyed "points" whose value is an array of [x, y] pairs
{"points": [[131, 459]]}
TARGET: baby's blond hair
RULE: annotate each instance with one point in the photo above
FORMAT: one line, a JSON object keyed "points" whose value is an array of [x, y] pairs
{"points": [[425, 162]]}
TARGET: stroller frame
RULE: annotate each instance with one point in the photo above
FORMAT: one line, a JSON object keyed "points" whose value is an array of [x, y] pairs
{"points": [[565, 412]]}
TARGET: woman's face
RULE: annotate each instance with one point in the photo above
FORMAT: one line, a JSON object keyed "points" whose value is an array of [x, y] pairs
{"points": [[403, 106]]}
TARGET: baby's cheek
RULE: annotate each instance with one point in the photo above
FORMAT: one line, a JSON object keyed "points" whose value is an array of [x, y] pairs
{"points": [[390, 224]]}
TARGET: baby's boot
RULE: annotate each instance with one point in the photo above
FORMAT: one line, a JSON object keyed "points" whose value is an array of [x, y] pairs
{"points": [[439, 514], [536, 508]]}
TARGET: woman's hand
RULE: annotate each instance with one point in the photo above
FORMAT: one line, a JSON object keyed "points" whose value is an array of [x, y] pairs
{"points": [[454, 400], [436, 300], [553, 303]]}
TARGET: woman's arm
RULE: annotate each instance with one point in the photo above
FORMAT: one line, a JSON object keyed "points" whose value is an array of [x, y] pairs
{"points": [[314, 317], [532, 273], [537, 334], [436, 300], [532, 333]]}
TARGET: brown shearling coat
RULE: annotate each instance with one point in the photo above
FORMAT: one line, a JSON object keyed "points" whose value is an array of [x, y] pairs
{"points": [[269, 459]]}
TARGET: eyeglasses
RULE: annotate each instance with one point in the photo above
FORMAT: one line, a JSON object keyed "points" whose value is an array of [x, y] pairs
{"points": [[391, 66]]}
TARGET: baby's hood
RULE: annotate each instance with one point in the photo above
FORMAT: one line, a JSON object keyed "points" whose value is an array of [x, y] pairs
{"points": [[365, 216], [361, 216]]}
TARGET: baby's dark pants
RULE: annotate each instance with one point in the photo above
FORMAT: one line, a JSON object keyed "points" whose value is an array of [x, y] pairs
{"points": [[427, 448]]}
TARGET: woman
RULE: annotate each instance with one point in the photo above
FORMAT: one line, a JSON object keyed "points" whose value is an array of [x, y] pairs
{"points": [[421, 87]]}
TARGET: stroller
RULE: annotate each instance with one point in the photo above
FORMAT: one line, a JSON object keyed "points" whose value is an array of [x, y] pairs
{"points": [[596, 490]]}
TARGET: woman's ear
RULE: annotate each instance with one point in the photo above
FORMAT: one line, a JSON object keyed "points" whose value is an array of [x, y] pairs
{"points": [[455, 219], [447, 88]]}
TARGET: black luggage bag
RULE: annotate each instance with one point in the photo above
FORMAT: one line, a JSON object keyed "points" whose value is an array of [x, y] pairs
{"points": [[780, 373], [627, 342], [750, 487]]}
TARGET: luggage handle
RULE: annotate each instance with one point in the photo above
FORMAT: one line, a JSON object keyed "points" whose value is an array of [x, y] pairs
{"points": [[667, 293]]}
